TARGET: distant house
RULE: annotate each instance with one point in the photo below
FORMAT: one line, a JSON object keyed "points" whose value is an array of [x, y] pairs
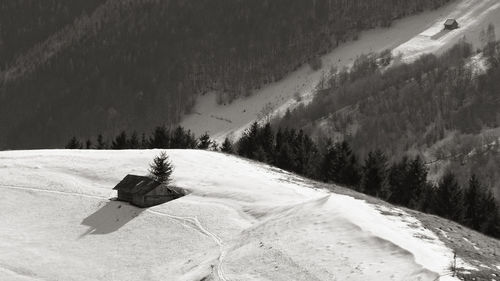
{"points": [[450, 24], [144, 191]]}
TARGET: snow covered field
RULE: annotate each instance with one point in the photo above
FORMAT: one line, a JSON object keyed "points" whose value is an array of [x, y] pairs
{"points": [[410, 37], [241, 221]]}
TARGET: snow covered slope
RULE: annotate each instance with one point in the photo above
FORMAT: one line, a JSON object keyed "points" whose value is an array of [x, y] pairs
{"points": [[241, 221], [410, 37]]}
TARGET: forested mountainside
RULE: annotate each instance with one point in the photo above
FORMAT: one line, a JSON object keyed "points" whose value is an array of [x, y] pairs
{"points": [[25, 23], [445, 108], [131, 64]]}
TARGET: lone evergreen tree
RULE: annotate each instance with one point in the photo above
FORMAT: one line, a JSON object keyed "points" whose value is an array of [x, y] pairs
{"points": [[161, 169]]}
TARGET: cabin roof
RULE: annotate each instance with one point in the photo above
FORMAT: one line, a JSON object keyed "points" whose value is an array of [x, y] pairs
{"points": [[450, 22], [136, 184]]}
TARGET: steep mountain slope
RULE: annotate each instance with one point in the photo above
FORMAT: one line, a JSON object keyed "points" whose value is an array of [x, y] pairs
{"points": [[135, 64], [409, 37], [241, 221]]}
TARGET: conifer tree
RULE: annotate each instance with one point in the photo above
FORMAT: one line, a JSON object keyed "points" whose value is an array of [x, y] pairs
{"points": [[161, 169], [427, 198], [214, 146], [266, 140], [144, 141], [183, 139], [178, 138], [227, 146], [279, 140], [340, 165], [74, 143], [472, 203], [399, 191], [101, 144], [133, 142], [374, 179], [417, 181], [160, 138], [260, 155], [285, 157], [247, 144], [449, 200], [120, 142], [407, 181], [204, 141], [307, 157], [88, 144], [489, 213]]}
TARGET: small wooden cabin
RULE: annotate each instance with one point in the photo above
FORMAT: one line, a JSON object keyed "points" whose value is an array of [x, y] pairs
{"points": [[144, 192], [450, 24]]}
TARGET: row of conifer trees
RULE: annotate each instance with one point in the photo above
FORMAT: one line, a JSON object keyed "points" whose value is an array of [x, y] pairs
{"points": [[403, 182]]}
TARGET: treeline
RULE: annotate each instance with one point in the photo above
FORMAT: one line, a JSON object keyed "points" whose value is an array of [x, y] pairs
{"points": [[162, 137], [443, 105], [402, 182], [141, 62]]}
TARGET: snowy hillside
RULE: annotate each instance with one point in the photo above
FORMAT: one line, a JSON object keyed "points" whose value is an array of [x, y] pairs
{"points": [[241, 221], [409, 37]]}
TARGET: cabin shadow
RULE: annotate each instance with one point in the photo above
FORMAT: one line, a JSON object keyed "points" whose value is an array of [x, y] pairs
{"points": [[110, 218], [440, 34]]}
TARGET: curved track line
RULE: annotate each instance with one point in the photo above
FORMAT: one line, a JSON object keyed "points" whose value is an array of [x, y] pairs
{"points": [[28, 188], [197, 224]]}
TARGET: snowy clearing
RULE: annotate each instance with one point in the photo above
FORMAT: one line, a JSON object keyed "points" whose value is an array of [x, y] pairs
{"points": [[411, 37], [241, 221]]}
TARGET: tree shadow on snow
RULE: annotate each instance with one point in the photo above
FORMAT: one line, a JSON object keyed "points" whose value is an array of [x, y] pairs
{"points": [[110, 217]]}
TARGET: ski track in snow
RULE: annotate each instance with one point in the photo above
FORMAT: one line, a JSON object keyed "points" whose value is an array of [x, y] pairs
{"points": [[36, 189], [196, 223]]}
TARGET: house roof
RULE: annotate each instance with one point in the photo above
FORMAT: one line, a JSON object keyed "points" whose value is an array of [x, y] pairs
{"points": [[450, 22], [136, 184]]}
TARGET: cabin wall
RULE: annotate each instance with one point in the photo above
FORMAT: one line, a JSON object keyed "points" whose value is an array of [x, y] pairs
{"points": [[124, 196], [156, 196]]}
